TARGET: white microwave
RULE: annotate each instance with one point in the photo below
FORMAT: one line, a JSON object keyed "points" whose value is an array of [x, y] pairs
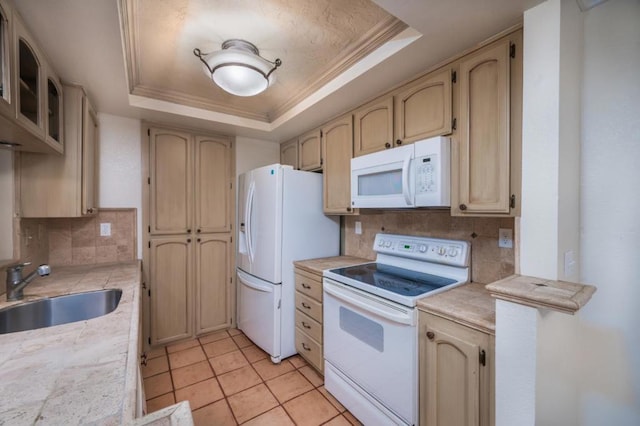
{"points": [[416, 175]]}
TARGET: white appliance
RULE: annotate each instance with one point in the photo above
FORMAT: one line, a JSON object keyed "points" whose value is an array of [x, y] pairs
{"points": [[370, 323], [281, 220], [415, 175]]}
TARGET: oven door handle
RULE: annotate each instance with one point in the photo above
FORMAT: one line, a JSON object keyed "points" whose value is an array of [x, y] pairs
{"points": [[370, 306]]}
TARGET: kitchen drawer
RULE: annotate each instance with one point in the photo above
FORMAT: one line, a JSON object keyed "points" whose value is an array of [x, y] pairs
{"points": [[309, 326], [309, 285], [310, 350], [309, 306]]}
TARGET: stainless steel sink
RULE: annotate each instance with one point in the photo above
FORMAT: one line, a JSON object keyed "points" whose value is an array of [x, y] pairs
{"points": [[58, 310]]}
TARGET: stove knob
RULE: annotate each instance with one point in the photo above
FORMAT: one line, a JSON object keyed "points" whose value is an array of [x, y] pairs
{"points": [[380, 243], [442, 251], [423, 248], [387, 244], [453, 252]]}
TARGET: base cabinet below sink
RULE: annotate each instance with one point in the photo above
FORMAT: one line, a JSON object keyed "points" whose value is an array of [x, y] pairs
{"points": [[457, 370]]}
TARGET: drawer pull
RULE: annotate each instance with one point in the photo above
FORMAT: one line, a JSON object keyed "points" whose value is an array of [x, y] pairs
{"points": [[304, 305], [307, 286], [305, 347], [305, 325]]}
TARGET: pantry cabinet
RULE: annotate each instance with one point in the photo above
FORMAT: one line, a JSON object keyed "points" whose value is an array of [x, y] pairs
{"points": [[65, 186], [310, 151], [456, 370], [423, 107], [289, 153], [487, 156], [190, 214], [373, 127], [337, 150]]}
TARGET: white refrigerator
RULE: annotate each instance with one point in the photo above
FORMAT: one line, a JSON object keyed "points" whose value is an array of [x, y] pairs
{"points": [[281, 221]]}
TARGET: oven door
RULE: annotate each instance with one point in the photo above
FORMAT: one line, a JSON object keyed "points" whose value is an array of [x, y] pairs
{"points": [[373, 343], [383, 179]]}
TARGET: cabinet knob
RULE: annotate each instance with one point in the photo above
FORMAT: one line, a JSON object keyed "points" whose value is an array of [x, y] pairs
{"points": [[348, 209], [90, 210], [198, 240], [463, 206], [387, 145], [305, 325], [305, 347], [307, 286], [198, 230], [188, 240], [398, 142], [304, 305], [430, 335]]}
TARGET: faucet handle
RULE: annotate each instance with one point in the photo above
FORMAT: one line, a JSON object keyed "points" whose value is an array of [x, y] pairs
{"points": [[18, 266]]}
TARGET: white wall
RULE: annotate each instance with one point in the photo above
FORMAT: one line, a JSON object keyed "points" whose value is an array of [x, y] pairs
{"points": [[587, 366], [120, 166], [610, 239], [252, 153]]}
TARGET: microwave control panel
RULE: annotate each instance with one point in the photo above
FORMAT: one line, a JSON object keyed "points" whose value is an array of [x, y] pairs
{"points": [[427, 174]]}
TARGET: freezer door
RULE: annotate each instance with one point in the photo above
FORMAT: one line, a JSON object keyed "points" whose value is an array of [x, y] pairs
{"points": [[263, 213], [243, 260], [259, 312]]}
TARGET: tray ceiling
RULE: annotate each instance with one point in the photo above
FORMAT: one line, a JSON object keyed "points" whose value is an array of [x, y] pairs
{"points": [[316, 40]]}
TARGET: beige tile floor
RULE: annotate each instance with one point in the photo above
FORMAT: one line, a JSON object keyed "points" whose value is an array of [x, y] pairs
{"points": [[230, 381]]}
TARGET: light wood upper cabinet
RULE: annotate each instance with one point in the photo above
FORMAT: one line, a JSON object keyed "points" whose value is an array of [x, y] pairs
{"points": [[289, 153], [486, 159], [55, 107], [171, 191], [65, 186], [212, 184], [7, 101], [170, 273], [310, 151], [29, 81], [373, 127], [423, 108], [213, 282], [456, 369], [337, 152]]}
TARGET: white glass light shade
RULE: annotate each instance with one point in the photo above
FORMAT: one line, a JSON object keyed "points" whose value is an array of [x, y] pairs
{"points": [[239, 72]]}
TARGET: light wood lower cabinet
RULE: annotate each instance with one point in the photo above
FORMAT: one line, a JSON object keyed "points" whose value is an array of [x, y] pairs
{"points": [[456, 373], [213, 283], [309, 318]]}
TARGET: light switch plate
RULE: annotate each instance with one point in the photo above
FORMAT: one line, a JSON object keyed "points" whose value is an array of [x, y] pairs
{"points": [[505, 238], [358, 228], [105, 229]]}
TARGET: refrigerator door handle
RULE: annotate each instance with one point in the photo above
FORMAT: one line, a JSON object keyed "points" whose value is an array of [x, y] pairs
{"points": [[247, 220], [247, 281]]}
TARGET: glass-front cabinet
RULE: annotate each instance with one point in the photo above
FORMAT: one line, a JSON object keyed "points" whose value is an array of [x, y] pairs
{"points": [[6, 101], [29, 81], [54, 111]]}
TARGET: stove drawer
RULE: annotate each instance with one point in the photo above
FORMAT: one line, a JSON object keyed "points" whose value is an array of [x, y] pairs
{"points": [[309, 326], [309, 285], [309, 306], [310, 350]]}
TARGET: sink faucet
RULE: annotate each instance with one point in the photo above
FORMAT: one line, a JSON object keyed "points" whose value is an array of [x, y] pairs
{"points": [[15, 282]]}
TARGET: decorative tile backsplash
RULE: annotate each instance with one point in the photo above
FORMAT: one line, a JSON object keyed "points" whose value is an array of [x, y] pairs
{"points": [[77, 241], [488, 262]]}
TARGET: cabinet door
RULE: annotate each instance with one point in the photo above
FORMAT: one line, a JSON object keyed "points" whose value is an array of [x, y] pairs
{"points": [[171, 191], [289, 153], [171, 286], [454, 376], [54, 116], [483, 152], [310, 151], [373, 127], [213, 184], [337, 152], [29, 81], [7, 101], [89, 159], [213, 283], [423, 109]]}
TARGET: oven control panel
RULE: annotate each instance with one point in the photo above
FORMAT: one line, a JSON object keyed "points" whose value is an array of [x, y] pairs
{"points": [[450, 252]]}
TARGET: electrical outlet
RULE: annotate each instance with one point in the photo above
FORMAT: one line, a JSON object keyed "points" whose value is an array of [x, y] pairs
{"points": [[505, 238], [105, 229], [358, 228]]}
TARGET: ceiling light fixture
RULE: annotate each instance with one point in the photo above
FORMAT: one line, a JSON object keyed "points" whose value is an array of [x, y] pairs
{"points": [[238, 68]]}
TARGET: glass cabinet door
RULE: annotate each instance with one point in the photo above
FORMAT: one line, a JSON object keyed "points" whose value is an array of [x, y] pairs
{"points": [[5, 58], [54, 111], [29, 74]]}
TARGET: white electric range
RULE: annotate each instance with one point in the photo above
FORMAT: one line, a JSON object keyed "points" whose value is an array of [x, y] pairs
{"points": [[370, 323]]}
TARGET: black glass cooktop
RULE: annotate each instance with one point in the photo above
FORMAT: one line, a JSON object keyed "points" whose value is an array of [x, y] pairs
{"points": [[397, 280]]}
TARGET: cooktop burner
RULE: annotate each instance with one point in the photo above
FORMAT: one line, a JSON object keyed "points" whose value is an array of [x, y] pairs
{"points": [[391, 278]]}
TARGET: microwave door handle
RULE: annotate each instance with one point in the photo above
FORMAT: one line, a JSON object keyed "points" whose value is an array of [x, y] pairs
{"points": [[405, 179]]}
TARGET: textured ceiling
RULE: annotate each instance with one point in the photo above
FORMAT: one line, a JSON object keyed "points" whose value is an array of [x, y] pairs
{"points": [[315, 39]]}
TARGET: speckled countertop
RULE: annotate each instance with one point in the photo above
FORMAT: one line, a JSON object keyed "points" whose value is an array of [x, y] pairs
{"points": [[78, 373], [561, 296], [469, 304], [316, 266]]}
